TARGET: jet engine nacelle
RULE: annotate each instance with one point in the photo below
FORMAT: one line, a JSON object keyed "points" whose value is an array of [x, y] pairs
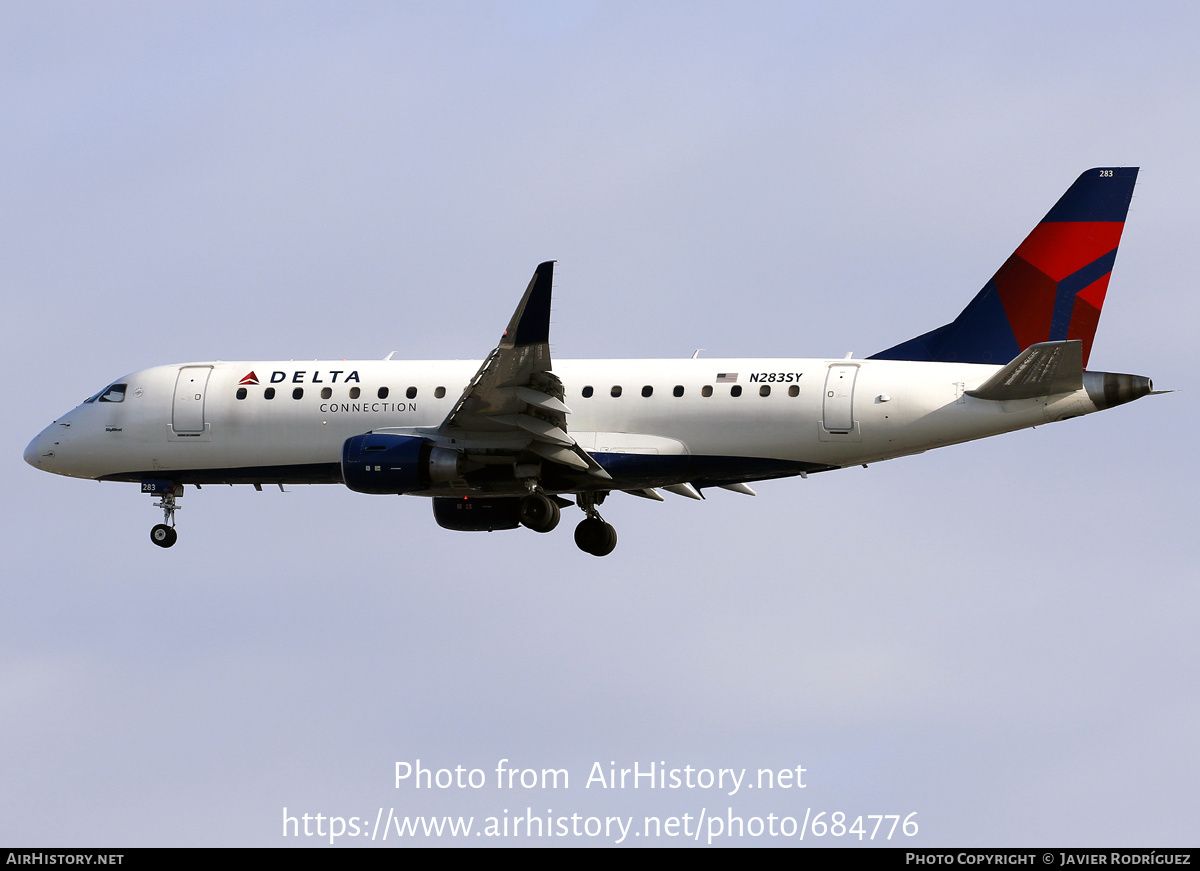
{"points": [[385, 463], [477, 514]]}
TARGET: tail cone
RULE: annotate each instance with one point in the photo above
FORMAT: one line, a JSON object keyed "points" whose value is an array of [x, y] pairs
{"points": [[1107, 389]]}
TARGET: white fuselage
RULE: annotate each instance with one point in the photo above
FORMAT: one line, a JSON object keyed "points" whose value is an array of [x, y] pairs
{"points": [[186, 423]]}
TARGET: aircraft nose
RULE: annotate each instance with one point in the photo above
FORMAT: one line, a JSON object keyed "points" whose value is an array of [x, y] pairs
{"points": [[39, 453], [31, 451]]}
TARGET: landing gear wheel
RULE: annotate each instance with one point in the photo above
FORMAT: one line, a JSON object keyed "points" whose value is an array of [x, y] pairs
{"points": [[163, 535], [596, 537], [539, 512]]}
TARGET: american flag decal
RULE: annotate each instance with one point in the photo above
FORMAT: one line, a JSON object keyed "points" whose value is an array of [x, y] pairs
{"points": [[726, 377]]}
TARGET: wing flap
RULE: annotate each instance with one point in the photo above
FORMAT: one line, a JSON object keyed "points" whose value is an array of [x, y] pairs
{"points": [[541, 429], [540, 400], [558, 454], [646, 493]]}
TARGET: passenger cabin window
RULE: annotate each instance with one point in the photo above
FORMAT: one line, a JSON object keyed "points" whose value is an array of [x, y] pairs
{"points": [[241, 393], [587, 392], [706, 390], [735, 390], [298, 393], [354, 392], [113, 393], [269, 393], [678, 390], [439, 393], [411, 393], [765, 390], [616, 391], [794, 390], [326, 392], [382, 393], [647, 390]]}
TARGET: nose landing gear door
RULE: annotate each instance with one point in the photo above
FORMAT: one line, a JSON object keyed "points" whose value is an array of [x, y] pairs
{"points": [[187, 414]]}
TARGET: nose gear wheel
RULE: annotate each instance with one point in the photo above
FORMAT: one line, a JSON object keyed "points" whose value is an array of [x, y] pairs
{"points": [[164, 534]]}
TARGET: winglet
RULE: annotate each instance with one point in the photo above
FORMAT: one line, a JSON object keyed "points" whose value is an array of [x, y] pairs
{"points": [[530, 324]]}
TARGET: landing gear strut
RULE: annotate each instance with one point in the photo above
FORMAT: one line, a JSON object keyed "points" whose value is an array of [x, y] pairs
{"points": [[164, 534], [593, 535]]}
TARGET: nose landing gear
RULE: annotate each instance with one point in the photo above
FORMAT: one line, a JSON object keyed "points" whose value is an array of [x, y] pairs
{"points": [[164, 534]]}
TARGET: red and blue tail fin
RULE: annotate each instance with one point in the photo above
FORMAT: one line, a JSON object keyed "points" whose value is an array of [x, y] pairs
{"points": [[1051, 288]]}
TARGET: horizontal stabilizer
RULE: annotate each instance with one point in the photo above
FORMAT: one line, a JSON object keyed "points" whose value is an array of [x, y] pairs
{"points": [[1043, 369]]}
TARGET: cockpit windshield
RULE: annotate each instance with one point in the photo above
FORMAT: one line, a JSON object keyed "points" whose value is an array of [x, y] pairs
{"points": [[111, 393]]}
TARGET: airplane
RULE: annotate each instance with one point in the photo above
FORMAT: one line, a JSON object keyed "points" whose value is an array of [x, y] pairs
{"points": [[514, 440]]}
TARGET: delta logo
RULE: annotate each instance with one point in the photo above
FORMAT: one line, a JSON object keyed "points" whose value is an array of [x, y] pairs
{"points": [[277, 377]]}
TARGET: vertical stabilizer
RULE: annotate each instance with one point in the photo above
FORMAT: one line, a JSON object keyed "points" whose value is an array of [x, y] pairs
{"points": [[1052, 287]]}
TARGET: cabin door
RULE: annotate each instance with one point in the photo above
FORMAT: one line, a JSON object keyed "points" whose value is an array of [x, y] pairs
{"points": [[188, 412], [839, 398]]}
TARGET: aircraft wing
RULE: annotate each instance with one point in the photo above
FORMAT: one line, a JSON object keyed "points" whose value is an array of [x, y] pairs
{"points": [[1043, 369], [515, 402]]}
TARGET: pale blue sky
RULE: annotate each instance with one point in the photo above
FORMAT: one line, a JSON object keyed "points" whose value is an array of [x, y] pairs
{"points": [[999, 636]]}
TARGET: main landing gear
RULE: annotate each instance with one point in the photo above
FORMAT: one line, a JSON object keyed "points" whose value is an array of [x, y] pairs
{"points": [[164, 534], [538, 512], [541, 513], [593, 535]]}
